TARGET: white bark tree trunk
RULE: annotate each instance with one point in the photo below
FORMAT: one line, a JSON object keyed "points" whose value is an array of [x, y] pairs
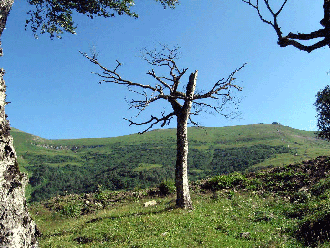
{"points": [[181, 170], [17, 229], [5, 6]]}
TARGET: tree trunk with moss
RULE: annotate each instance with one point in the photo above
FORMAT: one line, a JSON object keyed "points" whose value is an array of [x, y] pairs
{"points": [[17, 229]]}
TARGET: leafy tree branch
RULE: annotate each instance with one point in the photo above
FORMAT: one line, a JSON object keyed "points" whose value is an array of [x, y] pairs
{"points": [[55, 16]]}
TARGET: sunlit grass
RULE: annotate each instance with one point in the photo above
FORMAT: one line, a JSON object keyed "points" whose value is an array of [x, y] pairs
{"points": [[218, 220]]}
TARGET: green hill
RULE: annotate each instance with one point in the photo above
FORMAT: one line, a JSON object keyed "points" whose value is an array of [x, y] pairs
{"points": [[142, 161]]}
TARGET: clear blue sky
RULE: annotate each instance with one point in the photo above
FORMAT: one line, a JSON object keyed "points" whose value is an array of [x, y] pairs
{"points": [[54, 95]]}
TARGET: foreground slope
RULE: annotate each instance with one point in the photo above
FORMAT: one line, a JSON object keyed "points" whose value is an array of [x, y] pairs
{"points": [[140, 161], [287, 206]]}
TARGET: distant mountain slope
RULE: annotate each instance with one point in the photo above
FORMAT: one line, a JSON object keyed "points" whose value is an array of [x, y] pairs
{"points": [[139, 161]]}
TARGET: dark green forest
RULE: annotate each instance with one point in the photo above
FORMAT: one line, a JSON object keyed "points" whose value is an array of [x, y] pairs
{"points": [[132, 162], [107, 169]]}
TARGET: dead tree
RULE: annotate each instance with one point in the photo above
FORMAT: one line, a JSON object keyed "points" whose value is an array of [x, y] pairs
{"points": [[295, 39], [17, 229], [184, 104]]}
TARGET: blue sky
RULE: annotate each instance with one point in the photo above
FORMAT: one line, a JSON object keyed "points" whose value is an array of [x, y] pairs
{"points": [[54, 95]]}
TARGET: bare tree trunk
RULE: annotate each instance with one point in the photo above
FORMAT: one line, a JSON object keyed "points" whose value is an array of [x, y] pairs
{"points": [[181, 170], [17, 229]]}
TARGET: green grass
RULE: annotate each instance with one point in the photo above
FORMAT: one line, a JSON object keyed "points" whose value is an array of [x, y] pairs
{"points": [[278, 207], [215, 222], [269, 209]]}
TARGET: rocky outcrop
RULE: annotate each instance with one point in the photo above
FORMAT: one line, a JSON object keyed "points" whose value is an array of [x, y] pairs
{"points": [[17, 229]]}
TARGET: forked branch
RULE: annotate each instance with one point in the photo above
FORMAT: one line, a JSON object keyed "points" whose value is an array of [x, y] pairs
{"points": [[293, 39], [166, 88], [164, 120], [111, 76], [223, 85]]}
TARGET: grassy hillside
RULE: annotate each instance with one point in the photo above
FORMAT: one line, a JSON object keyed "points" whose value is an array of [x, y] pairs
{"points": [[141, 161], [281, 207]]}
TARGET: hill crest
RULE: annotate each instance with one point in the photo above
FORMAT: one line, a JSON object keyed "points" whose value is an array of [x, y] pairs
{"points": [[142, 161]]}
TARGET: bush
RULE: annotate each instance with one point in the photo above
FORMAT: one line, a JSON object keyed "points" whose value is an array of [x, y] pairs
{"points": [[300, 197], [320, 188], [253, 184], [315, 229], [225, 181], [166, 188], [100, 194], [71, 209]]}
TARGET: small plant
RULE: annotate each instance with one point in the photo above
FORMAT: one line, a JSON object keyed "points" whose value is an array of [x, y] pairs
{"points": [[253, 184], [100, 194], [225, 182], [300, 197], [166, 188], [321, 186], [72, 210], [262, 216]]}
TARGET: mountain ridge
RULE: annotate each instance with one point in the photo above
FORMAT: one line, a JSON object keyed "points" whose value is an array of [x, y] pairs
{"points": [[141, 161]]}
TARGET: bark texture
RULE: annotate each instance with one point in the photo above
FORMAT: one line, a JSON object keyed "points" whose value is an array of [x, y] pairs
{"points": [[183, 199], [181, 170], [5, 6], [17, 229]]}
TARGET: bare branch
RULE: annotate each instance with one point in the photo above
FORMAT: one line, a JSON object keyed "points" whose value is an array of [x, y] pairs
{"points": [[166, 89], [220, 109], [280, 10], [217, 109], [142, 104], [286, 42], [256, 6], [164, 120], [316, 34], [111, 76], [159, 79], [219, 86], [192, 122], [166, 57], [292, 39]]}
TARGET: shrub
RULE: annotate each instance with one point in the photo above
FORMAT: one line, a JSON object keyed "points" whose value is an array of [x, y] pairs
{"points": [[300, 197], [166, 188], [253, 184], [100, 194], [71, 209], [225, 181], [321, 186], [315, 229]]}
